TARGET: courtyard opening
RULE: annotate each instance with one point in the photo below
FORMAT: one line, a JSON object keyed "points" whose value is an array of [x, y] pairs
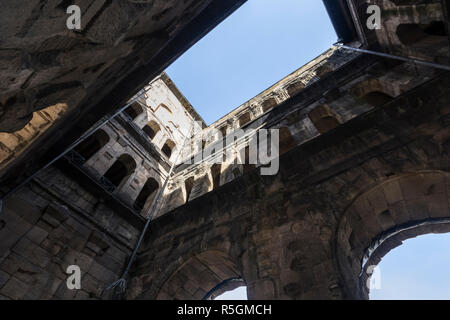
{"points": [[259, 44]]}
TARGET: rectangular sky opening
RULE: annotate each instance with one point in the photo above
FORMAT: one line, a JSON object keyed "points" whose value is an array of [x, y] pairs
{"points": [[258, 45]]}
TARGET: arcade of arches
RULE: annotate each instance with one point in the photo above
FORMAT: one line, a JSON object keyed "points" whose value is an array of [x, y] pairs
{"points": [[123, 167]]}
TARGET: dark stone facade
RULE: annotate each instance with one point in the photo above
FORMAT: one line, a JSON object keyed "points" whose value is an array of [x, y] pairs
{"points": [[290, 236], [365, 153]]}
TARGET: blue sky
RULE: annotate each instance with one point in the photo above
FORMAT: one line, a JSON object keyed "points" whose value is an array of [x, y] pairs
{"points": [[418, 269], [236, 294], [258, 45]]}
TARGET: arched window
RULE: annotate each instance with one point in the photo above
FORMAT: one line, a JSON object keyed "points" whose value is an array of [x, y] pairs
{"points": [[92, 144], [223, 131], [244, 119], [411, 34], [269, 104], [215, 173], [122, 168], [295, 87], [168, 148], [134, 110], [149, 189], [151, 129], [188, 184], [324, 118], [377, 98]]}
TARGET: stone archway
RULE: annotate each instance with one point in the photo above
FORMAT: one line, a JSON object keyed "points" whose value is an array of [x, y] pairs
{"points": [[379, 219], [122, 168], [92, 144], [198, 275]]}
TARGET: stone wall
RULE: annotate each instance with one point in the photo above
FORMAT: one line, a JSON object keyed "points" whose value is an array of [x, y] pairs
{"points": [[54, 223], [282, 234], [329, 104]]}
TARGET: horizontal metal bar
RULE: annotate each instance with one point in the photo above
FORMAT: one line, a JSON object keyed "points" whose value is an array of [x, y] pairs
{"points": [[391, 56]]}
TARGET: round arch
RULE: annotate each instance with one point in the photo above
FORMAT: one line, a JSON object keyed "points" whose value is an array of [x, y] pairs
{"points": [[92, 144], [379, 219], [134, 110], [206, 273], [151, 129], [123, 167]]}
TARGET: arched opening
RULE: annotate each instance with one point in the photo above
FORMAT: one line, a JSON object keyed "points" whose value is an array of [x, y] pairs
{"points": [[269, 104], [151, 129], [384, 216], [123, 167], [414, 270], [421, 34], [203, 144], [323, 118], [134, 110], [376, 98], [244, 119], [223, 131], [168, 148], [204, 276], [92, 144], [295, 87], [163, 113], [148, 191], [188, 184], [215, 174]]}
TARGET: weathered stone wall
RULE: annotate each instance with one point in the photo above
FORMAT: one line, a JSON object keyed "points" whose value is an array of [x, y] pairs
{"points": [[49, 64], [339, 104], [410, 28], [356, 92], [51, 224], [282, 234]]}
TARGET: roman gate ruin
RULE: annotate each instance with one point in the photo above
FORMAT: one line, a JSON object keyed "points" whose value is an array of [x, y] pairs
{"points": [[363, 155]]}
